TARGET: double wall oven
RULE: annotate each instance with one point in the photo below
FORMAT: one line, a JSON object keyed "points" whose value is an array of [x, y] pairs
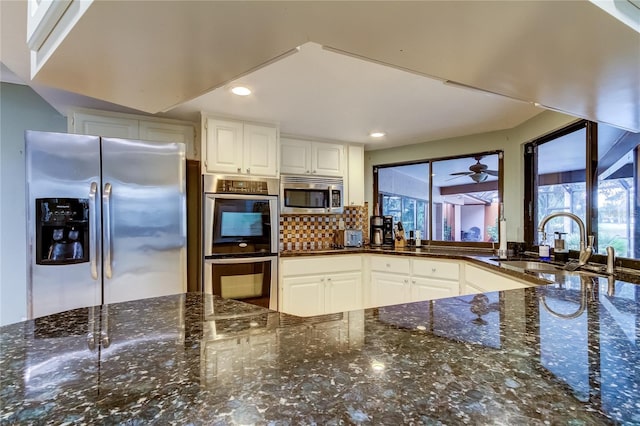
{"points": [[240, 226]]}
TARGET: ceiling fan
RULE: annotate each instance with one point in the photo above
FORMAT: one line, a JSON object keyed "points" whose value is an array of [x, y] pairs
{"points": [[478, 171]]}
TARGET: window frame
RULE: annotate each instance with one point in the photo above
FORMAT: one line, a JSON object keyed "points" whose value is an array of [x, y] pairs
{"points": [[377, 195], [591, 181]]}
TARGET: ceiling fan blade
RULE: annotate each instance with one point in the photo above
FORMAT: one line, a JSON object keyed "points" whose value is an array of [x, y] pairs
{"points": [[461, 174], [491, 172]]}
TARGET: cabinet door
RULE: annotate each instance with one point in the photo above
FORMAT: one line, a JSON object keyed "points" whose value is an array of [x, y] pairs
{"points": [[223, 146], [343, 292], [327, 159], [170, 132], [355, 174], [303, 296], [389, 289], [295, 156], [429, 289], [100, 125], [260, 150]]}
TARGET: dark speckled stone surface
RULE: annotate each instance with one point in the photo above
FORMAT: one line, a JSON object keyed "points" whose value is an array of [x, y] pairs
{"points": [[566, 353]]}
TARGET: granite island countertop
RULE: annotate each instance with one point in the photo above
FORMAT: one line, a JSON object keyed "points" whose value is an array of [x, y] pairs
{"points": [[566, 353]]}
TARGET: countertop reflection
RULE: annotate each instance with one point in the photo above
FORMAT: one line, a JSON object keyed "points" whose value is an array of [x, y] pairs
{"points": [[562, 353]]}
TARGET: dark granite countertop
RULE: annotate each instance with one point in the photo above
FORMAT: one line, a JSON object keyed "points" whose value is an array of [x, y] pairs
{"points": [[565, 353]]}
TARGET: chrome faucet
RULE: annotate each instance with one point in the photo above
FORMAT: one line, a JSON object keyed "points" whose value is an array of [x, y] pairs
{"points": [[585, 250]]}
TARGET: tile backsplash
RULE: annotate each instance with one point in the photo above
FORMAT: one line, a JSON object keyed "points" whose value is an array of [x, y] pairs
{"points": [[315, 232]]}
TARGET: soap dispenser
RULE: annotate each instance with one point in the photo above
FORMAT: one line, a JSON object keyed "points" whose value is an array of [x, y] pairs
{"points": [[544, 251]]}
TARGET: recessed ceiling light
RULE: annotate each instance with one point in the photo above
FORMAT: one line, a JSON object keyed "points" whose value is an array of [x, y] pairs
{"points": [[241, 90], [377, 134]]}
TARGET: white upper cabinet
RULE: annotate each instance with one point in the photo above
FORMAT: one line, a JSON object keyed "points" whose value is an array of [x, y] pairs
{"points": [[261, 150], [295, 157], [302, 157], [327, 159], [236, 147], [222, 146], [169, 132], [128, 126], [104, 125]]}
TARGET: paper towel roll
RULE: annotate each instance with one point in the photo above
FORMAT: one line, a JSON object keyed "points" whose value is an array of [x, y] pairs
{"points": [[502, 251]]}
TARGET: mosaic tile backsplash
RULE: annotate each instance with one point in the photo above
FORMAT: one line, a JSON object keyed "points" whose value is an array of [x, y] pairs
{"points": [[315, 232]]}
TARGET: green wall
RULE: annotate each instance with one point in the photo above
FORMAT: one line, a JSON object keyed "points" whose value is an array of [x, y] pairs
{"points": [[511, 141], [20, 109]]}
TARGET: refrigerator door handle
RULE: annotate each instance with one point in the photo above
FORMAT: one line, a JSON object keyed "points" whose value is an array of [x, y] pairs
{"points": [[106, 201], [93, 228]]}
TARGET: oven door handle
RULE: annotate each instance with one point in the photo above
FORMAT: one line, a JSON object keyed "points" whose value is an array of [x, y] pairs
{"points": [[237, 260]]}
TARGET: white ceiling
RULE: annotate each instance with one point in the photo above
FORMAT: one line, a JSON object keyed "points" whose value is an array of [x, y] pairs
{"points": [[178, 58], [324, 94]]}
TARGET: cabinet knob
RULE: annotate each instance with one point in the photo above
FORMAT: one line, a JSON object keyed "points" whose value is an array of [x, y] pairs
{"points": [[248, 170], [238, 169], [433, 269], [328, 279], [321, 280], [406, 280], [413, 281], [388, 265], [313, 171]]}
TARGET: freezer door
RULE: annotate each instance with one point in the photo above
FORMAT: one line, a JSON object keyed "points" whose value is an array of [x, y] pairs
{"points": [[144, 219], [62, 173]]}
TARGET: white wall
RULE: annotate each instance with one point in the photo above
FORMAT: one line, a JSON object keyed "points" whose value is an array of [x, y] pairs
{"points": [[20, 109], [510, 141]]}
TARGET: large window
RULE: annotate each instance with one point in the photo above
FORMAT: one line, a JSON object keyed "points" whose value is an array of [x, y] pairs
{"points": [[448, 200], [590, 170]]}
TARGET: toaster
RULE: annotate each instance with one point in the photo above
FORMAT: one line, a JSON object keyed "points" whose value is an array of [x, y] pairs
{"points": [[353, 238]]}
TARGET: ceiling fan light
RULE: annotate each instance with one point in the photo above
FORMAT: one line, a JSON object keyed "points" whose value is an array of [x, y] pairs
{"points": [[479, 177]]}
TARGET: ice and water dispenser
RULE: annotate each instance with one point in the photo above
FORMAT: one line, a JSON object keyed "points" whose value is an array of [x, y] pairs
{"points": [[62, 231]]}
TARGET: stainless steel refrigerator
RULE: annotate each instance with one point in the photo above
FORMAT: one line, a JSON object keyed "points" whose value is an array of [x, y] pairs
{"points": [[106, 220]]}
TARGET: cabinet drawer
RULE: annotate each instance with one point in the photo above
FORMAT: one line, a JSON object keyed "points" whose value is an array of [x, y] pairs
{"points": [[435, 269], [321, 265], [394, 264]]}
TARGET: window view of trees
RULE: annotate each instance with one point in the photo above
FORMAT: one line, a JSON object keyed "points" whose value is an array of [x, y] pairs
{"points": [[562, 185]]}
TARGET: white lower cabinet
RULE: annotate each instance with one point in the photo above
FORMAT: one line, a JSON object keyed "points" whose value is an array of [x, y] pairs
{"points": [[389, 289], [479, 280], [429, 289], [321, 285], [303, 296], [434, 279], [328, 284], [396, 279]]}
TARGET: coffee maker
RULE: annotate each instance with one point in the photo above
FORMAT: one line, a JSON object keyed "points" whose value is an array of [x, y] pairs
{"points": [[376, 230], [387, 231]]}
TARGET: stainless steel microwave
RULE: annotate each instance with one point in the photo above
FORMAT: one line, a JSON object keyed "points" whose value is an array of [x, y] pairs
{"points": [[311, 195]]}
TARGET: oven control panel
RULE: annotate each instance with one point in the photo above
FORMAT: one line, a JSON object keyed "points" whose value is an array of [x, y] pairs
{"points": [[242, 186]]}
